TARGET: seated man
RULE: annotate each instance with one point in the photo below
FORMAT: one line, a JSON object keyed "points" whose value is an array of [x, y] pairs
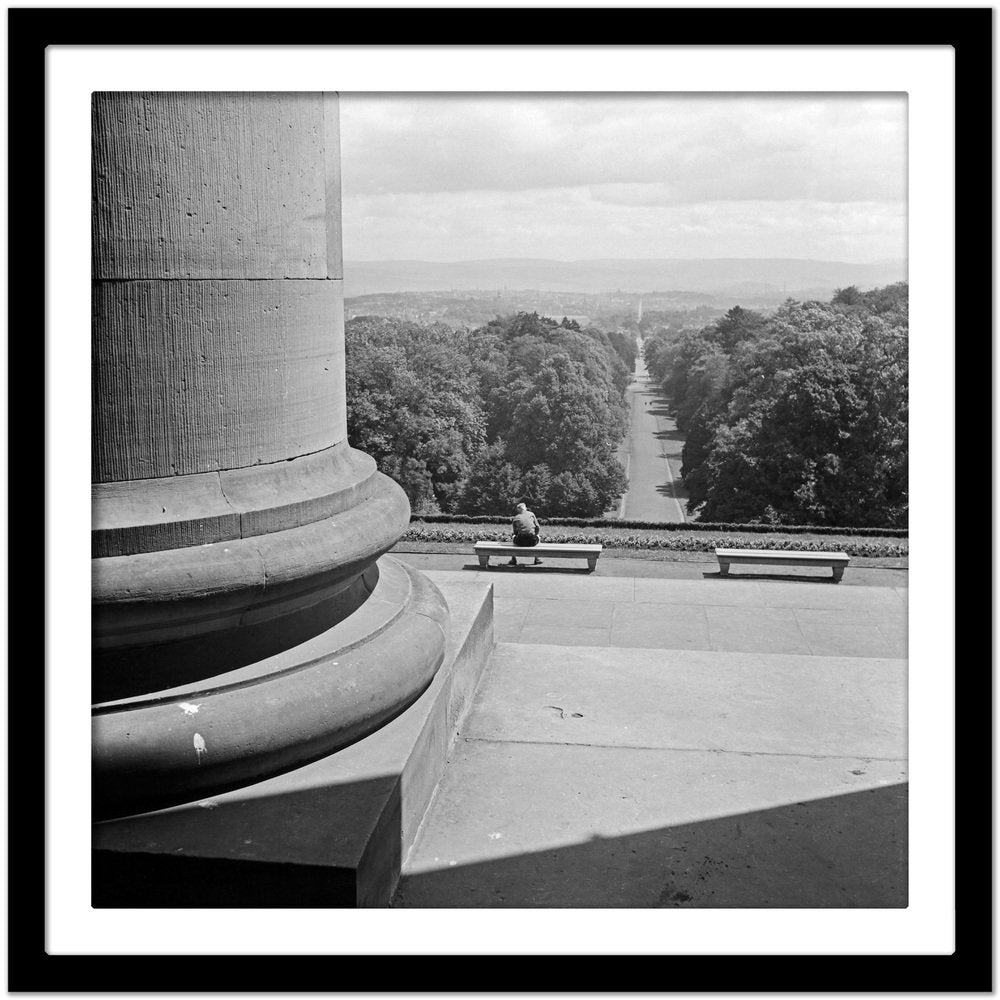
{"points": [[526, 530]]}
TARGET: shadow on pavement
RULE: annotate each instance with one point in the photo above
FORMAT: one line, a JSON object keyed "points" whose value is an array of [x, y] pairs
{"points": [[544, 568], [780, 577], [190, 857], [845, 850], [674, 490]]}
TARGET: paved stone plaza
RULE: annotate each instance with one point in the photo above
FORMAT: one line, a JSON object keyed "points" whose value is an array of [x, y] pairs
{"points": [[643, 742], [276, 702]]}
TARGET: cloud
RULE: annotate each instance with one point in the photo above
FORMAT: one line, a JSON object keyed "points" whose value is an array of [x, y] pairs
{"points": [[573, 223], [684, 148], [451, 177]]}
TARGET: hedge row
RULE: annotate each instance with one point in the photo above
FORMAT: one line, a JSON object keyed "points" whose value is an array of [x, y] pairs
{"points": [[604, 522], [704, 541]]}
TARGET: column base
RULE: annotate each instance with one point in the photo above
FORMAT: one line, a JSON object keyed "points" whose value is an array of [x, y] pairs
{"points": [[243, 725], [332, 833]]}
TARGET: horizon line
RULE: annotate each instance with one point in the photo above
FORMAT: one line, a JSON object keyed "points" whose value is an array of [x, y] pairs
{"points": [[596, 260]]}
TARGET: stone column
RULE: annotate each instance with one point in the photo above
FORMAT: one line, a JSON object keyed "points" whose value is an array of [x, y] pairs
{"points": [[243, 620]]}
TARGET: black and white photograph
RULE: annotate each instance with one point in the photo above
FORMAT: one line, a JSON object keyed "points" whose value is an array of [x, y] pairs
{"points": [[500, 500], [499, 461]]}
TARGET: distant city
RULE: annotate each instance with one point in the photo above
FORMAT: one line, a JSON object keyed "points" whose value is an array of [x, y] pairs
{"points": [[475, 307]]}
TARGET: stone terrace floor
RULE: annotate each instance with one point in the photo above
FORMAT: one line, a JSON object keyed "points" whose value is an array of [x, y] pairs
{"points": [[675, 739]]}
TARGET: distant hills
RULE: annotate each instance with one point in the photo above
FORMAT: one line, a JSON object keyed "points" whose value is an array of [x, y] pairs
{"points": [[762, 278]]}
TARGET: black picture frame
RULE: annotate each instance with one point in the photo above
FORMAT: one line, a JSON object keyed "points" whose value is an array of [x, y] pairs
{"points": [[31, 969]]}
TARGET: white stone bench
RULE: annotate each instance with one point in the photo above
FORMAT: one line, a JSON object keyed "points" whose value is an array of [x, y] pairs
{"points": [[778, 557], [553, 549]]}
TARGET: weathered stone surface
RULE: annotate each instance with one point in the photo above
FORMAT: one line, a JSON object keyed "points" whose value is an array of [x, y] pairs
{"points": [[694, 700], [756, 630], [149, 515], [330, 833], [679, 626], [825, 596], [203, 376], [301, 490], [564, 635], [701, 592], [661, 778], [300, 704], [240, 625], [666, 777], [225, 604], [216, 185], [700, 614], [146, 515], [543, 825]]}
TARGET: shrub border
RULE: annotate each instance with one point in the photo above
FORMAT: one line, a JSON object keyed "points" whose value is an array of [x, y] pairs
{"points": [[605, 522], [704, 541]]}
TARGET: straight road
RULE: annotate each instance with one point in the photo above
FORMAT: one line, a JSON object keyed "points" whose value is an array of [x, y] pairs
{"points": [[652, 454]]}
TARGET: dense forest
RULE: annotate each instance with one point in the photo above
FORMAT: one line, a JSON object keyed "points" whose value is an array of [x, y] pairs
{"points": [[472, 421], [799, 417]]}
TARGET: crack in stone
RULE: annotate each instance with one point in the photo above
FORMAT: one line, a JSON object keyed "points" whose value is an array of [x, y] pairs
{"points": [[740, 753], [232, 506]]}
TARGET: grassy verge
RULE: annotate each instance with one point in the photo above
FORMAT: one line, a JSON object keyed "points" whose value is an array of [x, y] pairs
{"points": [[639, 544]]}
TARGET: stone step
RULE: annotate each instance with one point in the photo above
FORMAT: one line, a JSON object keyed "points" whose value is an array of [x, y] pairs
{"points": [[603, 776], [544, 825]]}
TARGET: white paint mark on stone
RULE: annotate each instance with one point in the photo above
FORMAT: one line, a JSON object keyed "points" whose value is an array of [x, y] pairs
{"points": [[495, 836], [188, 708], [209, 804], [199, 745], [450, 863]]}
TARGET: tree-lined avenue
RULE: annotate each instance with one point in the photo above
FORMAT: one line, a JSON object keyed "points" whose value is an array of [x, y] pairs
{"points": [[653, 454]]}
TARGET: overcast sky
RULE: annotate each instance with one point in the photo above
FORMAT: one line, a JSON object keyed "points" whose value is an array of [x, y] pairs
{"points": [[464, 177]]}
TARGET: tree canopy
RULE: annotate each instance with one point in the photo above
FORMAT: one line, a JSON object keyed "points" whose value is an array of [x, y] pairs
{"points": [[473, 421], [799, 418]]}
